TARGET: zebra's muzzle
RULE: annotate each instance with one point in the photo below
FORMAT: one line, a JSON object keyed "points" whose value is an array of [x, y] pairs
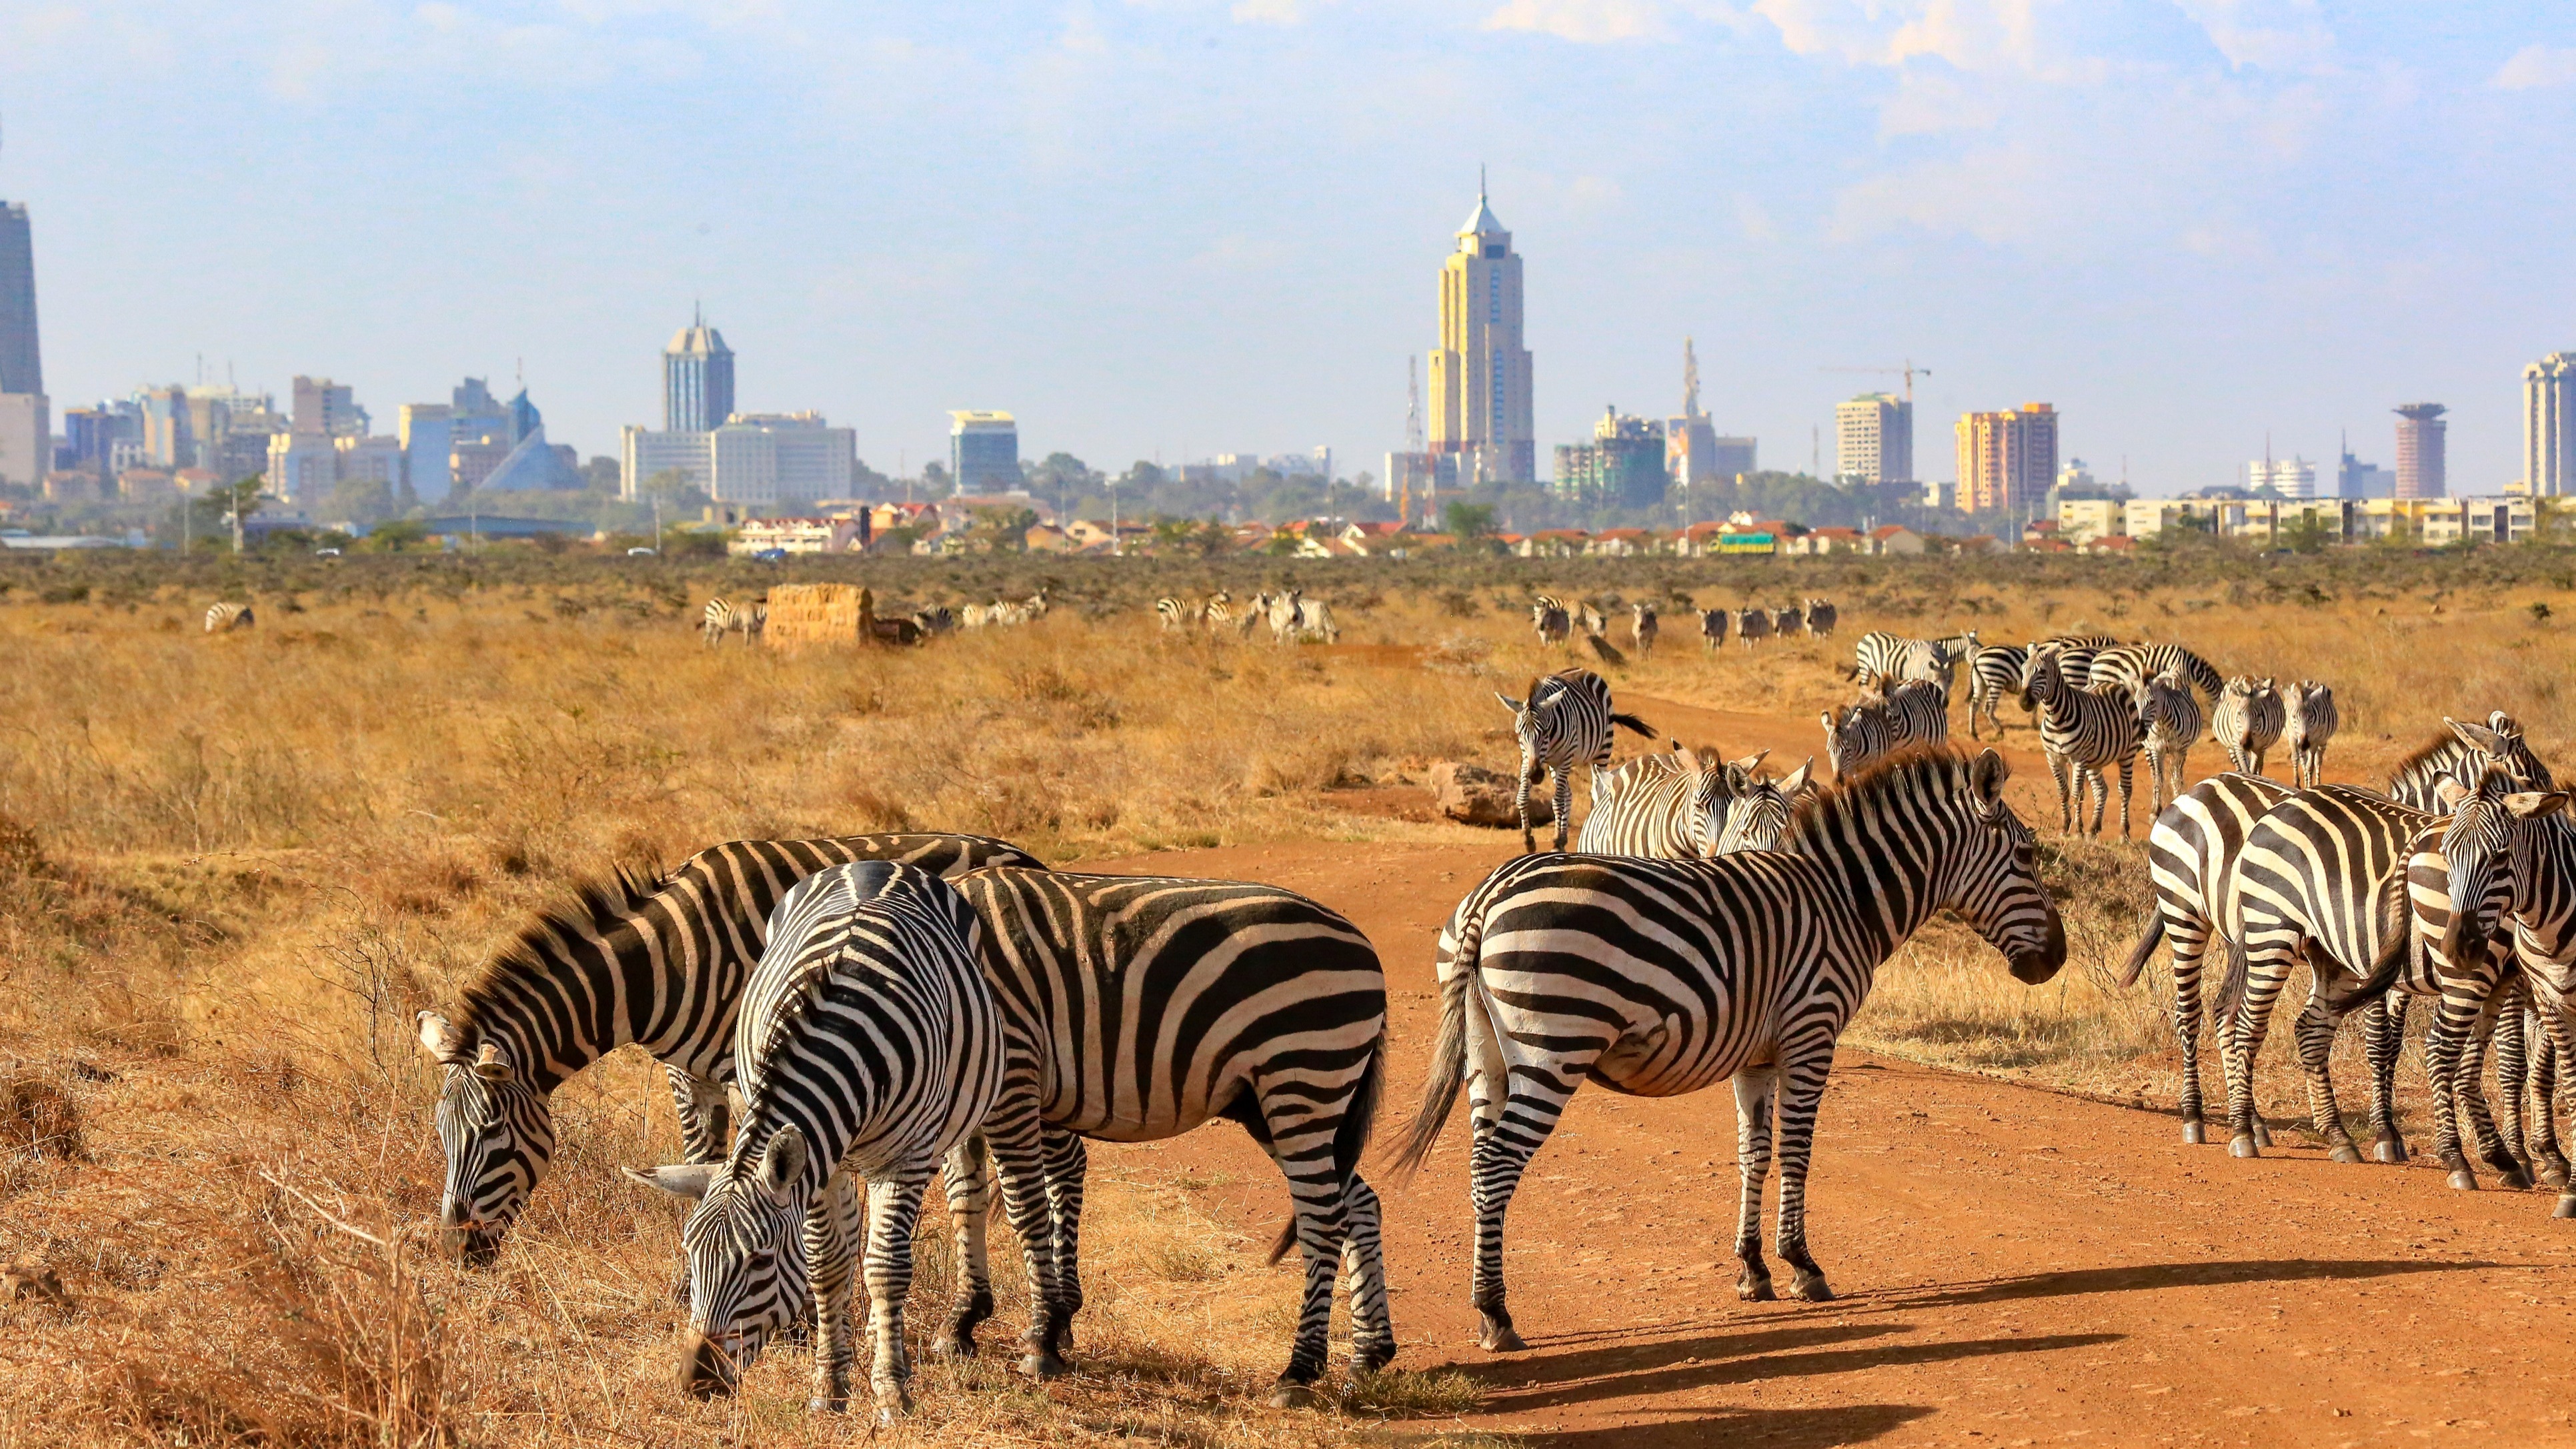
{"points": [[711, 1362], [2034, 967]]}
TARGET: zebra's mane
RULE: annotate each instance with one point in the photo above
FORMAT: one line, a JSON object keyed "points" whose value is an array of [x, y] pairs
{"points": [[2437, 752], [595, 907], [1928, 769]]}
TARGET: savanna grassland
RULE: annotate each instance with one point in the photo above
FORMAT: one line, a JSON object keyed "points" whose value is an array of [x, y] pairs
{"points": [[232, 867]]}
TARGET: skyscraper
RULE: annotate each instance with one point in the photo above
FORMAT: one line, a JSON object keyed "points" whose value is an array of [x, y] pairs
{"points": [[697, 380], [1690, 440], [1874, 439], [984, 452], [2549, 425], [1480, 374], [22, 368], [328, 408], [2291, 477], [2007, 459], [2420, 451]]}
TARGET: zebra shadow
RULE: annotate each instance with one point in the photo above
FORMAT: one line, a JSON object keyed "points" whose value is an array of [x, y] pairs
{"points": [[1772, 1428], [1718, 1361], [2143, 1277]]}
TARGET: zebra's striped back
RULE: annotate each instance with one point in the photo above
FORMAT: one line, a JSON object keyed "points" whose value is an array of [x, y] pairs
{"points": [[1671, 807], [226, 616], [658, 962], [1220, 611], [1550, 619], [2462, 756], [2247, 721], [1995, 672], [1862, 733], [1920, 710], [2127, 666], [1883, 656], [1174, 614], [718, 619]]}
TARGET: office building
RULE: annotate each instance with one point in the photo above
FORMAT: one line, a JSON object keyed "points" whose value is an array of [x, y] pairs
{"points": [[90, 436], [475, 416], [534, 466], [2357, 479], [756, 459], [697, 380], [1622, 467], [2006, 459], [2421, 470], [26, 439], [984, 452], [1480, 374], [327, 408], [167, 433], [428, 436], [302, 467], [376, 460], [1690, 440], [2287, 477], [1874, 439], [22, 365], [1733, 458], [2549, 426]]}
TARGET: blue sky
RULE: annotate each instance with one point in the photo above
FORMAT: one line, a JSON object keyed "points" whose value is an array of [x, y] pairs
{"points": [[1180, 226]]}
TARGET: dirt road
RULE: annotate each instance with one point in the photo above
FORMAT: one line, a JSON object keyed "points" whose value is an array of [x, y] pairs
{"points": [[2015, 1267]]}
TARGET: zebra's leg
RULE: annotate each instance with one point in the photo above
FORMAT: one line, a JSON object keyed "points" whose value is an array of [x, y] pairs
{"points": [[968, 1179], [2267, 966], [894, 1206], [2190, 945], [1802, 1090], [2513, 1080], [2540, 1130], [1565, 800], [2057, 771], [2480, 1131], [1068, 1169], [1299, 1134], [833, 1229], [2551, 1006], [2383, 1025], [1016, 1138], [1364, 1278], [2097, 791], [1520, 800], [1531, 1100], [1754, 1089], [2128, 768], [2315, 1034], [2455, 1016]]}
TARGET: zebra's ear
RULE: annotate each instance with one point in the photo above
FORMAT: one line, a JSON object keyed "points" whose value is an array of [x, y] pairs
{"points": [[1509, 703], [1752, 761], [2448, 794], [1986, 775], [688, 1180], [782, 1162], [439, 1037], [2530, 804], [2480, 737], [1795, 783]]}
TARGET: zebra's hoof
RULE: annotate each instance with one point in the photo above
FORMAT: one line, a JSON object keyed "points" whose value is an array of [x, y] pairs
{"points": [[894, 1408], [2344, 1152], [1755, 1290], [2262, 1133], [1810, 1288], [2194, 1134], [821, 1405], [2388, 1149], [947, 1346], [1043, 1365], [2550, 1174], [2514, 1179], [1496, 1334], [1295, 1396], [1369, 1358], [2243, 1146], [2566, 1206], [2463, 1179]]}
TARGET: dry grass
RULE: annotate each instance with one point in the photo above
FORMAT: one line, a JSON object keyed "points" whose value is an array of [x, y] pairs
{"points": [[230, 869]]}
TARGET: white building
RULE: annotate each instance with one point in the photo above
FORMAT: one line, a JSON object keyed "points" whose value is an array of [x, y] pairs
{"points": [[301, 467], [760, 459], [2289, 477], [26, 438], [2549, 426], [1874, 439]]}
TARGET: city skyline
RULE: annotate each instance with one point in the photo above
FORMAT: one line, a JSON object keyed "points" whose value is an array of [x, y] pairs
{"points": [[1845, 219]]}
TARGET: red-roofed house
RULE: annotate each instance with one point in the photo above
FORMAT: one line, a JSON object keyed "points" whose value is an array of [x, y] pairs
{"points": [[1895, 538]]}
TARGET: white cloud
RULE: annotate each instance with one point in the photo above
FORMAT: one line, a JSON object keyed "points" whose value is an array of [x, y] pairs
{"points": [[1929, 102], [2537, 66], [1974, 35], [1270, 12], [1589, 22], [1997, 195], [2268, 34]]}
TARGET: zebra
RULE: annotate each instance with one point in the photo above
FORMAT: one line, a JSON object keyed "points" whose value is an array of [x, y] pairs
{"points": [[1177, 614], [1315, 621], [937, 619], [2247, 722], [2082, 730], [2308, 720], [1671, 807], [1864, 732], [1254, 615], [1920, 709], [1643, 629], [2129, 665], [1219, 611], [662, 959], [1712, 629], [1139, 1008], [2169, 722], [1660, 977], [1881, 655], [2075, 655], [1563, 721], [1752, 626], [226, 616], [1994, 672], [1286, 609], [977, 616], [1790, 622], [1761, 814], [2461, 756], [1820, 617], [723, 616], [1594, 622], [1549, 616], [868, 1046]]}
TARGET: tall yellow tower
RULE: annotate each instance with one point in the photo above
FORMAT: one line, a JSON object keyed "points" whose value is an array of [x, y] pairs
{"points": [[1480, 374]]}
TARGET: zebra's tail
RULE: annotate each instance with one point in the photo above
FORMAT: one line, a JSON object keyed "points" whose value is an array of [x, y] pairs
{"points": [[2231, 987], [1351, 1138], [1631, 722], [2396, 924], [1448, 1062], [2145, 948]]}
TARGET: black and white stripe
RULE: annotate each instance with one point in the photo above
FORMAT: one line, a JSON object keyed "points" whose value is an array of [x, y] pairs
{"points": [[2083, 731], [1219, 613], [2126, 666], [1643, 628], [1752, 626], [2169, 722], [228, 615], [1665, 977], [1176, 614], [1549, 616], [723, 616], [1563, 722], [2247, 722], [1911, 714], [658, 963], [1995, 673], [2461, 756], [2308, 721], [1920, 708], [1883, 656], [1672, 806], [868, 1047]]}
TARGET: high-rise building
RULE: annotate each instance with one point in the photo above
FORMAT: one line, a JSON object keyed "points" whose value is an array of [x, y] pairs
{"points": [[22, 365], [2421, 470], [428, 436], [984, 452], [1874, 439], [697, 379], [168, 432], [2357, 479], [475, 416], [2006, 459], [756, 458], [26, 439], [2292, 477], [2549, 425], [1690, 440], [327, 408], [1622, 467], [1480, 374]]}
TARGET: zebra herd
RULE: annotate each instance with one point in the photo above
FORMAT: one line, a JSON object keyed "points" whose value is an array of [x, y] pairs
{"points": [[1556, 621], [1293, 618]]}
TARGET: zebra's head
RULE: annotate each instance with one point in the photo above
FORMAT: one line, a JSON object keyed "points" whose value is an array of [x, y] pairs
{"points": [[745, 1245], [1717, 790], [2487, 847], [2500, 739], [498, 1133], [2040, 678], [1762, 810], [1994, 881]]}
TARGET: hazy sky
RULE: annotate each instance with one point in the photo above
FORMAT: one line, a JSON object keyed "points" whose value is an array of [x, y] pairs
{"points": [[1170, 225]]}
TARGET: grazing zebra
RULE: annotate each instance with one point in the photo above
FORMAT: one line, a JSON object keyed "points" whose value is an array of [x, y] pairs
{"points": [[228, 616], [659, 963], [868, 1046], [2083, 730], [2308, 720], [1315, 621], [1176, 614], [1790, 622], [2191, 860], [1642, 629], [1219, 611], [2247, 722], [1881, 655], [1671, 807], [934, 620], [1255, 614], [1139, 1008], [1660, 977], [1552, 620], [1752, 626], [2127, 666], [1994, 672], [2169, 720], [1820, 617], [1563, 722], [976, 616], [1712, 629], [723, 616]]}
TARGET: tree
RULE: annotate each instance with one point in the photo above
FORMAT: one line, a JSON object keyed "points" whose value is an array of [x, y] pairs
{"points": [[395, 536], [2308, 534], [1001, 530], [602, 475], [1467, 522]]}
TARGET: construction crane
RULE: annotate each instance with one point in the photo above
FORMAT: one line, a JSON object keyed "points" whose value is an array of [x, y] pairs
{"points": [[1907, 370]]}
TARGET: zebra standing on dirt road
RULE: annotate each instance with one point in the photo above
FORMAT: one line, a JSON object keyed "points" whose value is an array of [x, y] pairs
{"points": [[662, 960], [1665, 977], [1642, 628], [2308, 720], [1995, 671], [1563, 722], [1139, 1008], [2082, 731], [1752, 626], [724, 616], [1669, 807], [1712, 629], [2247, 722], [869, 1045], [226, 616], [2169, 723]]}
